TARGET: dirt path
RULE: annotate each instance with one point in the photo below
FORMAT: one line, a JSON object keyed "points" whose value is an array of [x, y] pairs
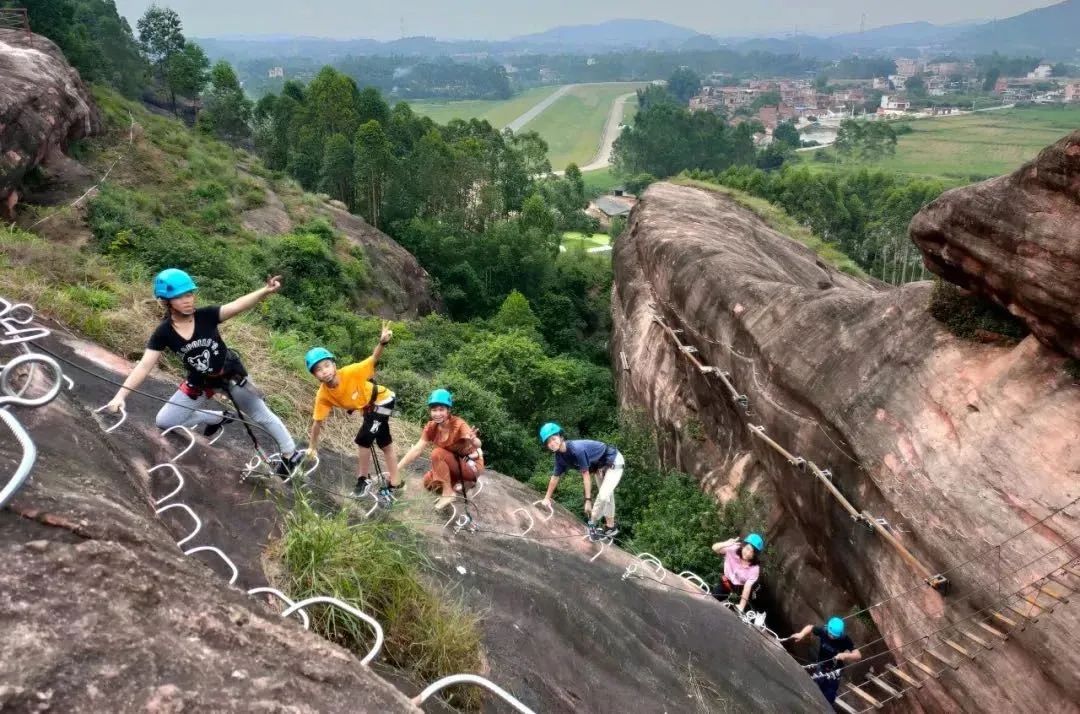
{"points": [[611, 133]]}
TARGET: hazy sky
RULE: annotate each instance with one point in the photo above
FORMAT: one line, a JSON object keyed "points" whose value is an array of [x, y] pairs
{"points": [[501, 19]]}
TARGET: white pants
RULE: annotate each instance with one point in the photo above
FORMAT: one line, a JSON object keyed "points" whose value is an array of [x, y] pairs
{"points": [[604, 506]]}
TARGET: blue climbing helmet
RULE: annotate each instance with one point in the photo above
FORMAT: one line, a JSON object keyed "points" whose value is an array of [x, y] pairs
{"points": [[755, 540], [441, 397], [316, 355], [835, 627], [549, 430], [172, 282]]}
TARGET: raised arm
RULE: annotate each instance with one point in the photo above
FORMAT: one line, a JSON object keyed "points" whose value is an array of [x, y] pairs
{"points": [[245, 303], [384, 338], [720, 547], [137, 376], [803, 633]]}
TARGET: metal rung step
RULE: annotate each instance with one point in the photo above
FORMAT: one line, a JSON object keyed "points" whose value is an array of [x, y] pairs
{"points": [[869, 700], [904, 677], [976, 639], [923, 668], [1034, 601], [847, 708], [958, 648], [942, 658], [1001, 618], [885, 686], [1026, 614], [993, 631], [1059, 596]]}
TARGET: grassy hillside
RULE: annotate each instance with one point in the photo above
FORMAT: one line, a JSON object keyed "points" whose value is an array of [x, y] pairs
{"points": [[974, 146], [574, 125], [176, 197], [498, 112]]}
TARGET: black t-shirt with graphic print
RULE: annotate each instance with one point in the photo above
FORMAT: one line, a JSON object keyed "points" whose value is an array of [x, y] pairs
{"points": [[204, 354]]}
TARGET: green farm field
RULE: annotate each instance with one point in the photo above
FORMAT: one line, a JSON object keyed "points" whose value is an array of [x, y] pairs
{"points": [[975, 146], [574, 125], [499, 112]]}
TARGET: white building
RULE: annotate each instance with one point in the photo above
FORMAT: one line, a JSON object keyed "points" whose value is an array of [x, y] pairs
{"points": [[276, 73], [1043, 71]]}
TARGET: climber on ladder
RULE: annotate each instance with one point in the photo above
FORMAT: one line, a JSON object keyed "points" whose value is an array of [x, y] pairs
{"points": [[742, 568], [457, 459], [835, 649], [589, 457], [353, 387], [192, 333]]}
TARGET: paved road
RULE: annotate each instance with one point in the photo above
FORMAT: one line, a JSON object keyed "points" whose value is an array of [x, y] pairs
{"points": [[611, 133], [538, 108]]}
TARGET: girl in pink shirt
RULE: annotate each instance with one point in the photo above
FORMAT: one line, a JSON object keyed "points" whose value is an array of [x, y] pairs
{"points": [[741, 566]]}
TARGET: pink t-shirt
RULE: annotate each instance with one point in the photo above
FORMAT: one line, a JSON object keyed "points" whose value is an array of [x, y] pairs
{"points": [[736, 570]]}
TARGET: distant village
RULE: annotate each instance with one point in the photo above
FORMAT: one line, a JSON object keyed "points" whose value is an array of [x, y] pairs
{"points": [[803, 103]]}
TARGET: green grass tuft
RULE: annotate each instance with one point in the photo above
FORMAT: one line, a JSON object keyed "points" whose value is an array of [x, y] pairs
{"points": [[376, 566], [969, 316]]}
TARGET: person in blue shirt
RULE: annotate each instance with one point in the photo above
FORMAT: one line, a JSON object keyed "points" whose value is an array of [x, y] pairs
{"points": [[835, 649], [589, 457]]}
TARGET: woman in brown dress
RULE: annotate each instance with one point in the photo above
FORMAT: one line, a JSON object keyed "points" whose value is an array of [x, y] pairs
{"points": [[457, 456]]}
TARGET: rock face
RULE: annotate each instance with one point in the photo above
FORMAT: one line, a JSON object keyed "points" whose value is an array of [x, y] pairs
{"points": [[958, 445], [396, 277], [1016, 240], [102, 612], [43, 107]]}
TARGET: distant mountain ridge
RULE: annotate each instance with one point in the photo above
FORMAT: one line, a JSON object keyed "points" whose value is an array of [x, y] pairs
{"points": [[613, 33], [1051, 32]]}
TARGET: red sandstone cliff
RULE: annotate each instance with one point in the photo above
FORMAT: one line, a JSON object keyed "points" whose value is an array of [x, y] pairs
{"points": [[958, 445]]}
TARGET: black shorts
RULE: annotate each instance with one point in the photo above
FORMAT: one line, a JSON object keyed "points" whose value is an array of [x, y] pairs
{"points": [[376, 427]]}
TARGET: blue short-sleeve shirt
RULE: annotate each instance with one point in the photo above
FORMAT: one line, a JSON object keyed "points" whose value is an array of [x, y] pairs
{"points": [[584, 455]]}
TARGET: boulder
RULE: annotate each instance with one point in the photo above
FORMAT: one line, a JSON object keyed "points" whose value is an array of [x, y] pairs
{"points": [[957, 445], [1016, 240], [44, 106]]}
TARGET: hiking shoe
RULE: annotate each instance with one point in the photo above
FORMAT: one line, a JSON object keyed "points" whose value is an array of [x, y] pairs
{"points": [[211, 429], [363, 483], [609, 532], [443, 502], [285, 467]]}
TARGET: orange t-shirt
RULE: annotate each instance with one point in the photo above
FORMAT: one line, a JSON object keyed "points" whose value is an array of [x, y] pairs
{"points": [[455, 436], [353, 390]]}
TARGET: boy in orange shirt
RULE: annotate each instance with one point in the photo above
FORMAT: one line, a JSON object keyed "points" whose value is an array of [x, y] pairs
{"points": [[353, 387]]}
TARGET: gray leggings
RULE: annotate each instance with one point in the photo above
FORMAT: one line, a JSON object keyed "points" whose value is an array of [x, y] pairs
{"points": [[183, 410]]}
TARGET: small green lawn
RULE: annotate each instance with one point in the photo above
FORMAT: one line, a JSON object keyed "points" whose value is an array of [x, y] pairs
{"points": [[600, 181], [572, 240]]}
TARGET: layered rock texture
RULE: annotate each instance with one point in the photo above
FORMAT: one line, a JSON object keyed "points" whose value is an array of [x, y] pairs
{"points": [[43, 107], [957, 445], [102, 612], [1016, 240]]}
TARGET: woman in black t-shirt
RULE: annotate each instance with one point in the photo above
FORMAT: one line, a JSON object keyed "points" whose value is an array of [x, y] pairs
{"points": [[192, 333]]}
